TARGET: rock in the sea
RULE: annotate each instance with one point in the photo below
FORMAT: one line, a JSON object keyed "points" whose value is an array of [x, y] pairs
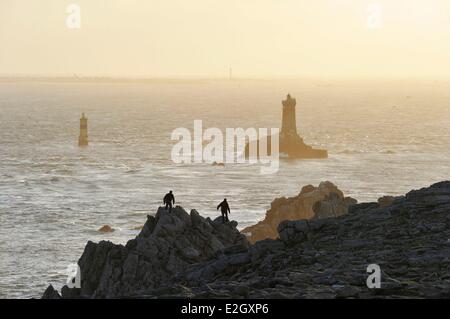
{"points": [[106, 229], [218, 164], [324, 201]]}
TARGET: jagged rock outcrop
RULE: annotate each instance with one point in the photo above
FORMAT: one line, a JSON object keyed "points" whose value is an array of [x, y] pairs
{"points": [[166, 246], [313, 258], [323, 201], [51, 293], [328, 258]]}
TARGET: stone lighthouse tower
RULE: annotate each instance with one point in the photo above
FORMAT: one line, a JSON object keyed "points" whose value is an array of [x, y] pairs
{"points": [[83, 139], [289, 125], [291, 143]]}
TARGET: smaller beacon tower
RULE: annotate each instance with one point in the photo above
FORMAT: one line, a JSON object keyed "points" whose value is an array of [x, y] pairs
{"points": [[83, 139]]}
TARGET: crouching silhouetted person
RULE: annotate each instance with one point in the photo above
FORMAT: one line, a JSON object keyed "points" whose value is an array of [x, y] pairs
{"points": [[168, 200], [225, 209]]}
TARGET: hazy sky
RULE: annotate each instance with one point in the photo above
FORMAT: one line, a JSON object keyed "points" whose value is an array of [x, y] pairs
{"points": [[202, 38]]}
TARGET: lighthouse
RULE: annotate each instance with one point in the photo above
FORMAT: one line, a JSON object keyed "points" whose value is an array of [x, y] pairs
{"points": [[83, 139], [291, 143], [288, 124]]}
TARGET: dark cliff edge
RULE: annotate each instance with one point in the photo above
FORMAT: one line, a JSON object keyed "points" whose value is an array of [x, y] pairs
{"points": [[183, 255]]}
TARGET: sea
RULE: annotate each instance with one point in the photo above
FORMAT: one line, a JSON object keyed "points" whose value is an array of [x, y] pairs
{"points": [[383, 136]]}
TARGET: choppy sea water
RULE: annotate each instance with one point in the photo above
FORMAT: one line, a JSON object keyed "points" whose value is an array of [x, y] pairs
{"points": [[383, 137]]}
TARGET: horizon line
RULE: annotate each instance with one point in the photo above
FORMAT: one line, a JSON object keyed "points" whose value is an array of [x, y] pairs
{"points": [[81, 78]]}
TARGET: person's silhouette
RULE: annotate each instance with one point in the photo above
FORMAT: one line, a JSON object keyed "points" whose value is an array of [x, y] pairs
{"points": [[225, 209], [168, 199]]}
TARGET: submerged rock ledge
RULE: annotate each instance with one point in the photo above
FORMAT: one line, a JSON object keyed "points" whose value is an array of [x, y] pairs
{"points": [[187, 256]]}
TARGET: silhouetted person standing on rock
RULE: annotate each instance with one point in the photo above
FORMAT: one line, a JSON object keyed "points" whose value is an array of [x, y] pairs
{"points": [[225, 209], [168, 199]]}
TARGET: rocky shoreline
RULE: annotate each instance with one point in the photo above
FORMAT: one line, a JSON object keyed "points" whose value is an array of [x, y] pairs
{"points": [[319, 255]]}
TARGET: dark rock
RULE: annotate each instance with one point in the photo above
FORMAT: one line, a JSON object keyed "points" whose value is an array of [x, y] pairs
{"points": [[346, 291], [68, 293], [182, 255], [51, 293], [166, 245], [386, 201], [362, 206]]}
